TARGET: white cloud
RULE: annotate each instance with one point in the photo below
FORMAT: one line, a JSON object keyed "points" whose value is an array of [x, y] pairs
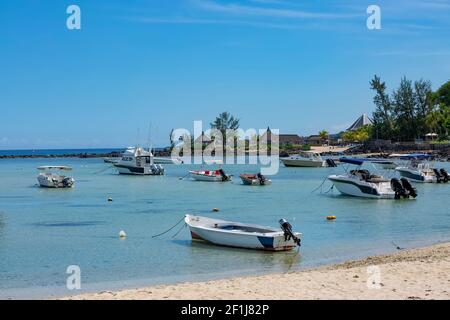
{"points": [[248, 10]]}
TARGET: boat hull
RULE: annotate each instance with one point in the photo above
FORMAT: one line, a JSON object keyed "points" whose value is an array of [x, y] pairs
{"points": [[55, 182], [361, 189], [415, 175], [303, 163], [139, 171], [254, 181], [274, 241], [207, 177]]}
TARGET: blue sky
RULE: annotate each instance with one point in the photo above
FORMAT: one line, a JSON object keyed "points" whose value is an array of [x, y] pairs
{"points": [[300, 66]]}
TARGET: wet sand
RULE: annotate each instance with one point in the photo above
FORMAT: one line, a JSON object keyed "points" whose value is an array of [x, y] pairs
{"points": [[410, 274]]}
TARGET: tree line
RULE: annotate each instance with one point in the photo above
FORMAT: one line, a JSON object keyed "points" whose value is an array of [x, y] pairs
{"points": [[411, 111]]}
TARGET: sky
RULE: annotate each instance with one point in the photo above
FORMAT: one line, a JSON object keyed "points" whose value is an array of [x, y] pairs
{"points": [[139, 68]]}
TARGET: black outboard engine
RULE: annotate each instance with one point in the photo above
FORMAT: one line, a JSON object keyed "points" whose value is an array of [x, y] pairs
{"points": [[261, 178], [331, 163], [224, 176], [412, 192], [287, 229], [445, 175], [439, 177], [398, 188]]}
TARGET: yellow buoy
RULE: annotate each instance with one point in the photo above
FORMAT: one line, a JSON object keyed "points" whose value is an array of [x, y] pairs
{"points": [[329, 218]]}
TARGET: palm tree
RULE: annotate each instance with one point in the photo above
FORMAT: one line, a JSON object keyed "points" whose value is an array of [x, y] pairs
{"points": [[225, 121], [324, 135]]}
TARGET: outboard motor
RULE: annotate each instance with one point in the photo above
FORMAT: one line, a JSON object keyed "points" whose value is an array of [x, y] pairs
{"points": [[288, 234], [331, 163], [67, 182], [439, 177], [445, 175], [398, 188], [224, 176], [412, 192], [261, 178]]}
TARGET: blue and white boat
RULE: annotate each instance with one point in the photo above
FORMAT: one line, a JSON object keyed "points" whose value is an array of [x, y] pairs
{"points": [[420, 169], [241, 235], [361, 183]]}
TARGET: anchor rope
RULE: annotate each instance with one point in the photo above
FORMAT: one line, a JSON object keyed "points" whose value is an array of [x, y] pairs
{"points": [[160, 234]]}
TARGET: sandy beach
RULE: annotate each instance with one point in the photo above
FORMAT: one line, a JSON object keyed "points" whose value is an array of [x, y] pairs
{"points": [[408, 274]]}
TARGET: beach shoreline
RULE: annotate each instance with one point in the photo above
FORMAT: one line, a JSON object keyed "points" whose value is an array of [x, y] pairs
{"points": [[420, 273]]}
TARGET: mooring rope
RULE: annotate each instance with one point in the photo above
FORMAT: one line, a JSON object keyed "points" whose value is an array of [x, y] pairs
{"points": [[323, 182], [179, 230], [157, 235]]}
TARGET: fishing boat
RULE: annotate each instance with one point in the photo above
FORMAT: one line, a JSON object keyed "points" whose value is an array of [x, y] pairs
{"points": [[137, 161], [255, 179], [304, 159], [419, 169], [51, 177], [210, 175], [241, 235], [362, 183]]}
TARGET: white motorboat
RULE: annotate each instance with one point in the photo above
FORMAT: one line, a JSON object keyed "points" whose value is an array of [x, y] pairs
{"points": [[138, 161], [251, 179], [51, 177], [361, 183], [210, 175], [240, 235], [419, 169], [304, 159]]}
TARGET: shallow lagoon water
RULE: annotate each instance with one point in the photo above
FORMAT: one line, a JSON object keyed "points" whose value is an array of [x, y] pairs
{"points": [[44, 231]]}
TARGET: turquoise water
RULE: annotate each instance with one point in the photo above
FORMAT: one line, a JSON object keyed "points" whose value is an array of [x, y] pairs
{"points": [[44, 231]]}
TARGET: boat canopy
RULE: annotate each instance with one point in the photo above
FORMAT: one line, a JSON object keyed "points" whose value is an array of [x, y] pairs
{"points": [[54, 168], [418, 156], [355, 161], [360, 161]]}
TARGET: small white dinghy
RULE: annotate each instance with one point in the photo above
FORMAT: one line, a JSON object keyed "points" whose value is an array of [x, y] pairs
{"points": [[51, 178], [240, 235], [210, 175]]}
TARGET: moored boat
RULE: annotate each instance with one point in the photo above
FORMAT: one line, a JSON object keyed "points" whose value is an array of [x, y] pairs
{"points": [[255, 179], [137, 161], [51, 177], [308, 159], [362, 183], [241, 235], [210, 175], [419, 169]]}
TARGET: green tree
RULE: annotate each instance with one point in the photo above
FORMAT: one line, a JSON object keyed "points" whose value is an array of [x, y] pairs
{"points": [[404, 108], [383, 120], [360, 135], [324, 135], [422, 97], [439, 116], [225, 121]]}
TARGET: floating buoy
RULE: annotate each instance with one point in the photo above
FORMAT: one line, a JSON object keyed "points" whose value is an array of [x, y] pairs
{"points": [[122, 234], [329, 218], [110, 199], [215, 209]]}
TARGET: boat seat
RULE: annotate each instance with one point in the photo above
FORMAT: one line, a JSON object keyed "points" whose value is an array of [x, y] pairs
{"points": [[377, 179]]}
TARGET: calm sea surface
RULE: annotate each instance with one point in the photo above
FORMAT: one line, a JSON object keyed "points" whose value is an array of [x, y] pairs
{"points": [[43, 231]]}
